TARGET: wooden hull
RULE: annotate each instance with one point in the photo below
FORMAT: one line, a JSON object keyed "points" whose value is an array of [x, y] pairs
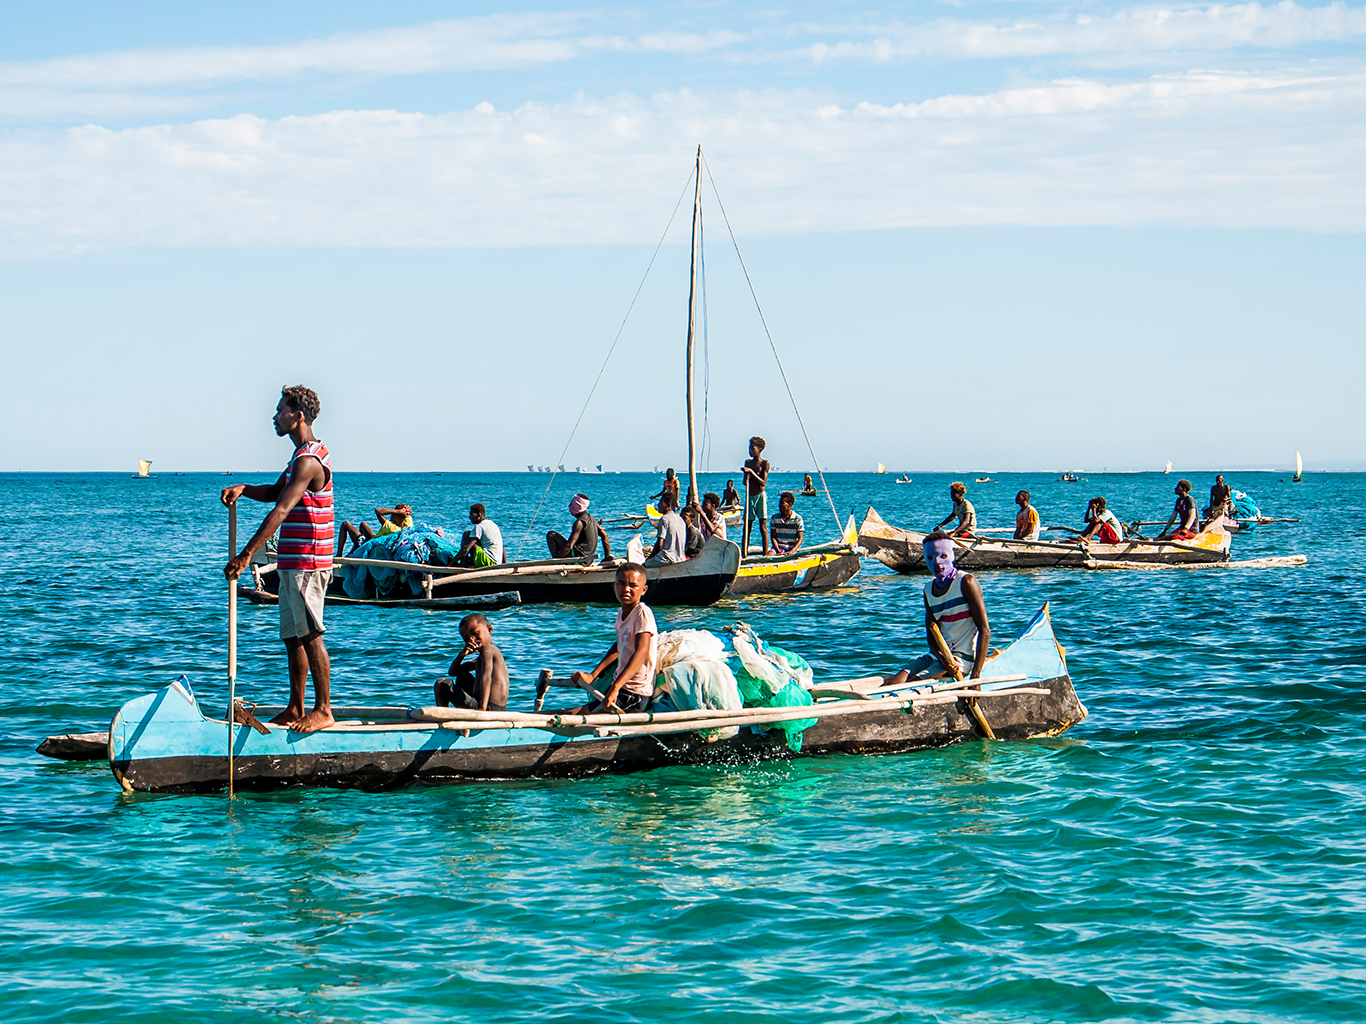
{"points": [[697, 582], [817, 569], [162, 742], [902, 550], [490, 602]]}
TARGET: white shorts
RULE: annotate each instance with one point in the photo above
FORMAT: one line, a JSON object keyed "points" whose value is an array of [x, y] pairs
{"points": [[301, 601]]}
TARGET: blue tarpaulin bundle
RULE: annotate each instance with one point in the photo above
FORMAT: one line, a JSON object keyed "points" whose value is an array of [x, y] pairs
{"points": [[420, 544]]}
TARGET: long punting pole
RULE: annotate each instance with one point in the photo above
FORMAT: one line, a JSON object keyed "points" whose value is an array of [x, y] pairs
{"points": [[232, 637], [692, 329]]}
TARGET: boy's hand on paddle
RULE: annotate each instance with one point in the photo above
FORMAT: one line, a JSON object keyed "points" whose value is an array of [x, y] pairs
{"points": [[234, 568], [231, 494], [582, 679]]}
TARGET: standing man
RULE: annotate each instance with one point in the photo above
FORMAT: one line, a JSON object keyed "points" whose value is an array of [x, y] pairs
{"points": [[755, 471], [1220, 498], [1027, 521], [303, 515]]}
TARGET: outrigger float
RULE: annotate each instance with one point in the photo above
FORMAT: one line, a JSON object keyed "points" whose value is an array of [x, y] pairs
{"points": [[903, 550], [163, 741]]}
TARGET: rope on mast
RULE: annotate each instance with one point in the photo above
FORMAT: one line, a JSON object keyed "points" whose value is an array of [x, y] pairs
{"points": [[778, 359], [598, 380]]}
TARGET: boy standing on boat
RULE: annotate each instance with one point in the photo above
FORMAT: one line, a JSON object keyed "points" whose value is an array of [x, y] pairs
{"points": [[955, 609], [963, 509], [755, 471], [303, 515], [636, 652], [482, 686], [1027, 522]]}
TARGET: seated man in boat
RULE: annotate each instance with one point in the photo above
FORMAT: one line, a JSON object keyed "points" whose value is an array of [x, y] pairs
{"points": [[955, 611], [482, 686], [482, 545], [1027, 521], [693, 539], [635, 653], [671, 539], [786, 529], [391, 520], [963, 509], [730, 497], [1184, 522], [1101, 523], [1220, 499], [807, 486], [583, 537], [712, 521], [755, 471]]}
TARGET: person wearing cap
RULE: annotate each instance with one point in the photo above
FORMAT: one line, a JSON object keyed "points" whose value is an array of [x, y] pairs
{"points": [[583, 536]]}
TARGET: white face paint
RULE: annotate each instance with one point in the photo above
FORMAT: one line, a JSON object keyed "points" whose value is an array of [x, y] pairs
{"points": [[939, 560]]}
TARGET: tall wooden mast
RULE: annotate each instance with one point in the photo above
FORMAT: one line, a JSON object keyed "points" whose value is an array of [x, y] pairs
{"points": [[692, 328]]}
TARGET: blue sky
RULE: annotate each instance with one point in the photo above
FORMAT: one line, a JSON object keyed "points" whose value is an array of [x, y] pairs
{"points": [[998, 236]]}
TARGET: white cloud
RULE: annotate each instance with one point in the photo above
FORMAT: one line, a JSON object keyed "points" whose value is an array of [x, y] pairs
{"points": [[1139, 30], [1200, 149]]}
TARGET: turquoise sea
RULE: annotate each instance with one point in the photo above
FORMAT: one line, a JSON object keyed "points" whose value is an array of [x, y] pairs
{"points": [[1193, 851]]}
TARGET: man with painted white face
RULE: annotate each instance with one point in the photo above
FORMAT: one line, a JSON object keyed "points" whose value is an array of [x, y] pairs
{"points": [[953, 603]]}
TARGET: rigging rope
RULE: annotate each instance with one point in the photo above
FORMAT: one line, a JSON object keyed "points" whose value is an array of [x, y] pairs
{"points": [[598, 380], [706, 355], [763, 320]]}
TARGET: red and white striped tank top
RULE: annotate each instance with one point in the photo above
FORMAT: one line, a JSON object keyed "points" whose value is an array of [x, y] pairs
{"points": [[307, 539]]}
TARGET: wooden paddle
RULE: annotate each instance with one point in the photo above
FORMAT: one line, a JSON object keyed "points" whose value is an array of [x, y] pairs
{"points": [[232, 642], [945, 654]]}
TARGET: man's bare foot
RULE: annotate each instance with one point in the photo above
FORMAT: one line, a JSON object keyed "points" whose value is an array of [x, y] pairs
{"points": [[286, 716], [313, 721]]}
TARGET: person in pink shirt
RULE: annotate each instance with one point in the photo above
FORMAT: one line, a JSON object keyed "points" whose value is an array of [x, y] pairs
{"points": [[635, 653]]}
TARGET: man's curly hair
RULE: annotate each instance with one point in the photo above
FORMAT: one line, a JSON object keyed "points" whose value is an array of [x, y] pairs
{"points": [[303, 400]]}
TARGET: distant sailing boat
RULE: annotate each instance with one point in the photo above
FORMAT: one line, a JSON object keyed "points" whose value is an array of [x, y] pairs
{"points": [[882, 467], [1299, 469], [1169, 466], [143, 466]]}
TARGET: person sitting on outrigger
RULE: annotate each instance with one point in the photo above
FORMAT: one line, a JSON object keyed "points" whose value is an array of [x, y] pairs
{"points": [[482, 686], [954, 606], [635, 653], [1184, 516], [807, 486], [730, 497], [1101, 523], [671, 536], [1220, 499], [391, 520], [583, 538], [482, 545], [963, 509], [1027, 522]]}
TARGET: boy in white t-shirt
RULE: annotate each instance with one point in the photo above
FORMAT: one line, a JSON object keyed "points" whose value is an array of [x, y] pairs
{"points": [[636, 652]]}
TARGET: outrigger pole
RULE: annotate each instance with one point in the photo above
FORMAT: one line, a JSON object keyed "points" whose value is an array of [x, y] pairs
{"points": [[692, 330], [232, 639]]}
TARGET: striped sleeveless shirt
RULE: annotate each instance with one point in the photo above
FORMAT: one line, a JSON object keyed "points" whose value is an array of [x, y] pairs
{"points": [[307, 539], [951, 615]]}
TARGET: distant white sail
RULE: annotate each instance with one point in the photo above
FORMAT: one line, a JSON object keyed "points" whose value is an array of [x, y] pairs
{"points": [[882, 467], [1299, 466], [1169, 466], [143, 466]]}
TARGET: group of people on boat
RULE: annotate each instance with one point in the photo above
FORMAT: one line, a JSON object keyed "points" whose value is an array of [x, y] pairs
{"points": [[1101, 523]]}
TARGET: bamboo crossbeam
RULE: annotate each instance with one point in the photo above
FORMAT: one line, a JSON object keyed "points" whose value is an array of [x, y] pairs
{"points": [[461, 570]]}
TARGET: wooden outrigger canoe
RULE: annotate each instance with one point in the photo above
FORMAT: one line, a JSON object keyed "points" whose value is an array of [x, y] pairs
{"points": [[819, 567], [902, 549], [163, 741], [698, 582]]}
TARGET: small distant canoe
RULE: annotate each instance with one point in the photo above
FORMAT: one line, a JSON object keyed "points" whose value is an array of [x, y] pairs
{"points": [[163, 741], [902, 550]]}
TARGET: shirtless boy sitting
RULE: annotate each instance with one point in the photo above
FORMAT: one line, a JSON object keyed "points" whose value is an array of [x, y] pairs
{"points": [[482, 686]]}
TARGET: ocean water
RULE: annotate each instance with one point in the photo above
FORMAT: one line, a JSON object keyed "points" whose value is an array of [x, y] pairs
{"points": [[1193, 851]]}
